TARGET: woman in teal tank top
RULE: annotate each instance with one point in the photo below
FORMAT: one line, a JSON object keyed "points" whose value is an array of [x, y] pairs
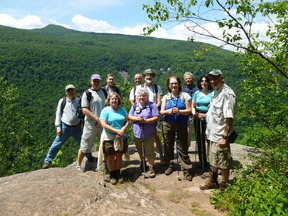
{"points": [[200, 103]]}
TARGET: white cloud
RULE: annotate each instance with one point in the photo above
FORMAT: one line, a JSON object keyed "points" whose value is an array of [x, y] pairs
{"points": [[93, 25], [7, 20], [27, 22]]}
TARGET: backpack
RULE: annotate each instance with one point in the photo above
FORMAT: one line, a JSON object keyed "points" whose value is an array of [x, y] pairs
{"points": [[79, 110], [155, 88], [150, 106]]}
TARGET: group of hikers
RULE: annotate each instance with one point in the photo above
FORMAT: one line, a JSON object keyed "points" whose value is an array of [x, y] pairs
{"points": [[207, 107]]}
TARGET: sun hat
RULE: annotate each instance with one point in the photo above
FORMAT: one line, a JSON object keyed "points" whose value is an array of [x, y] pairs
{"points": [[149, 71], [70, 86]]}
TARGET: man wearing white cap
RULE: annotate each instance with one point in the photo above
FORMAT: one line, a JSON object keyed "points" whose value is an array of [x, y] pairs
{"points": [[92, 103], [155, 94], [219, 120], [66, 122]]}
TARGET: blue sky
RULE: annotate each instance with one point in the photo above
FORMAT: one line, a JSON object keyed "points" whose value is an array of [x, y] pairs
{"points": [[105, 16]]}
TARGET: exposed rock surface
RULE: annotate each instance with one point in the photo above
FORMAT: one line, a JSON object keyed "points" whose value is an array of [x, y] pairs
{"points": [[65, 191]]}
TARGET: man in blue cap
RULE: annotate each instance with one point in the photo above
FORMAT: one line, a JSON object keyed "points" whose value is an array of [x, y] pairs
{"points": [[219, 120]]}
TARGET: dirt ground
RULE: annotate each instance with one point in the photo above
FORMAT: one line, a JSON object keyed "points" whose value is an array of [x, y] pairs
{"points": [[65, 191]]}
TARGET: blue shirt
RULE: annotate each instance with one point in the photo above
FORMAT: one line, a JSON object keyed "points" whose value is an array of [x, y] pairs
{"points": [[115, 119], [202, 101]]}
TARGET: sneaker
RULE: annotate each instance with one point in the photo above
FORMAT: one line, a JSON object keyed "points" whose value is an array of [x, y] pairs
{"points": [[45, 165], [208, 185], [141, 169], [169, 170], [78, 168], [152, 173]]}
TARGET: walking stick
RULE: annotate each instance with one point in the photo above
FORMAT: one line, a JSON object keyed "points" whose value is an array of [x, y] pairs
{"points": [[143, 153], [197, 138], [202, 144], [177, 154]]}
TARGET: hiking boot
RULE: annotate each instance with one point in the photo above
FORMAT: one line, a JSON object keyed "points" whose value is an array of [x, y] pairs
{"points": [[119, 177], [113, 178], [211, 183], [223, 185], [169, 170], [188, 176], [45, 165], [141, 169], [152, 173], [208, 185]]}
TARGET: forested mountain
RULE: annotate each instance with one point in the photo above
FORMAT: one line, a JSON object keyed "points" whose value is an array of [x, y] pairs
{"points": [[41, 62]]}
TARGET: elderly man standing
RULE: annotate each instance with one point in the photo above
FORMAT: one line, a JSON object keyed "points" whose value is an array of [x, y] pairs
{"points": [[138, 81], [190, 88], [219, 119], [66, 122]]}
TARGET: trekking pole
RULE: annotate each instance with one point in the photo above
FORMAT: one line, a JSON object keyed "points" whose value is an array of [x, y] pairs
{"points": [[177, 154], [196, 136], [143, 153], [201, 144]]}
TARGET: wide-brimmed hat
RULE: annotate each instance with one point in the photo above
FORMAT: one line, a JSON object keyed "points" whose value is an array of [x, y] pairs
{"points": [[70, 86], [95, 76], [215, 72], [149, 71]]}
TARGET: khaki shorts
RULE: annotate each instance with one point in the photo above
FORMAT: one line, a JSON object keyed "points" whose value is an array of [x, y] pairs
{"points": [[219, 157], [148, 144]]}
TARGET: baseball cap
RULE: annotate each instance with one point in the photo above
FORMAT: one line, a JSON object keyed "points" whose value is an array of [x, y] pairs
{"points": [[149, 71], [70, 86], [95, 76], [215, 72]]}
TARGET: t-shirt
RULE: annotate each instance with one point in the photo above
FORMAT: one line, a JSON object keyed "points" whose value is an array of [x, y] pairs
{"points": [[96, 104], [152, 91], [148, 111], [202, 101], [115, 119]]}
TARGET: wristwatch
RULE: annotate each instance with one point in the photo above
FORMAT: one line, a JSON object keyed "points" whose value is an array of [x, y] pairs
{"points": [[224, 137]]}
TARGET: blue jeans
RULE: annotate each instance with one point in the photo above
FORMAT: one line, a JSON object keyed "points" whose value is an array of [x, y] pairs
{"points": [[67, 132]]}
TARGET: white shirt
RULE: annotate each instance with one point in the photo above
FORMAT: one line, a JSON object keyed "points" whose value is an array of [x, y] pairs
{"points": [[222, 106], [68, 116], [151, 90]]}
